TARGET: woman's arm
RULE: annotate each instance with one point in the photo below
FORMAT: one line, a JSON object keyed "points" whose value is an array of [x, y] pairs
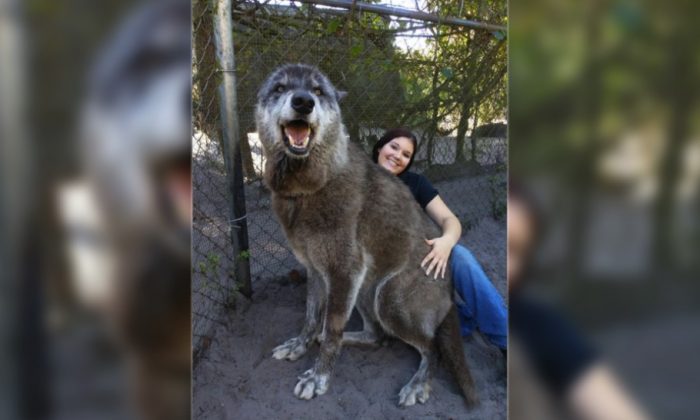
{"points": [[598, 395], [451, 231]]}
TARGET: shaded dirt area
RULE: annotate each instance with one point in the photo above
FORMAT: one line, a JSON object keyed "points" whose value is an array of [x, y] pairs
{"points": [[238, 378]]}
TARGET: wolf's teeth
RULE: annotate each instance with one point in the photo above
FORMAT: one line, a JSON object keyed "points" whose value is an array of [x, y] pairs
{"points": [[304, 143]]}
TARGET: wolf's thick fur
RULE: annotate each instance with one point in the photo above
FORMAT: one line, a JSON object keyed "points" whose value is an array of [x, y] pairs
{"points": [[360, 234]]}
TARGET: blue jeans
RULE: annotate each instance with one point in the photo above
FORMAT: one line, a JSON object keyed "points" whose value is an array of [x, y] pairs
{"points": [[482, 307]]}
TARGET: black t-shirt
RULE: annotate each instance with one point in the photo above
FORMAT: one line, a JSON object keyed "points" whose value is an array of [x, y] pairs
{"points": [[422, 190], [557, 351]]}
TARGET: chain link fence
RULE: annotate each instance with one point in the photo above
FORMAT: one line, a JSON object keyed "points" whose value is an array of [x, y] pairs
{"points": [[213, 285], [442, 81]]}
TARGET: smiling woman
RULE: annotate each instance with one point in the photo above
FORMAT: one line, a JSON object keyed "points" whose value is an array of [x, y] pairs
{"points": [[398, 156], [481, 307]]}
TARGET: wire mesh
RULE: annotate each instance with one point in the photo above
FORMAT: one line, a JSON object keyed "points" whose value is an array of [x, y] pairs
{"points": [[441, 81], [213, 284]]}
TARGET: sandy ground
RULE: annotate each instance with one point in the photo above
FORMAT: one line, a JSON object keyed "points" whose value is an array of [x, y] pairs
{"points": [[237, 378]]}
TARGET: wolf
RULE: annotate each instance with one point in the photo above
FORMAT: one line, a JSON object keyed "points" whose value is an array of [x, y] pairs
{"points": [[360, 235]]}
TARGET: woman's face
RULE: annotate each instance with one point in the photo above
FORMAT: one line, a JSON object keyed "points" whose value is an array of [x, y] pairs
{"points": [[395, 155]]}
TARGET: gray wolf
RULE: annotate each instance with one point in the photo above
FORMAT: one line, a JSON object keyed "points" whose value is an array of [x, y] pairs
{"points": [[358, 232], [135, 145]]}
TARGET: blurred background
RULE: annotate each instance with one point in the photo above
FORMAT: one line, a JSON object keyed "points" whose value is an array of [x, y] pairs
{"points": [[94, 130], [604, 131], [603, 126]]}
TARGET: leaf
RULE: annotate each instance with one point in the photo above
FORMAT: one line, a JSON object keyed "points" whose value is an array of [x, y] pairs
{"points": [[499, 35], [355, 50], [333, 26], [447, 72]]}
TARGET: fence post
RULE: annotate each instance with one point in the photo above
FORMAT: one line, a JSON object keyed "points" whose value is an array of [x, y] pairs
{"points": [[238, 225], [14, 195]]}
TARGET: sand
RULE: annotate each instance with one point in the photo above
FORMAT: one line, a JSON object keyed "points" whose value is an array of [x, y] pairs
{"points": [[237, 378]]}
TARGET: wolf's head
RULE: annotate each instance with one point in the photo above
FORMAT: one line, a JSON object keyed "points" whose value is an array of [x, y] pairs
{"points": [[297, 112]]}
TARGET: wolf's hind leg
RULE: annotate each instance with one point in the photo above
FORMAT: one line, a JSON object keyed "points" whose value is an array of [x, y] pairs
{"points": [[371, 334], [296, 347], [360, 338], [415, 324], [418, 388]]}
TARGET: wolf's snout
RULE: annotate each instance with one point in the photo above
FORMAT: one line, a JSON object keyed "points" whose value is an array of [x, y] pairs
{"points": [[303, 103]]}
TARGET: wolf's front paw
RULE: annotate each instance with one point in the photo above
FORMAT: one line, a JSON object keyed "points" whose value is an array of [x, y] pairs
{"points": [[292, 349], [412, 392], [311, 384]]}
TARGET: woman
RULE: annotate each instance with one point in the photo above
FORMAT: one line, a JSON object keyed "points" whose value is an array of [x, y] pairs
{"points": [[481, 306], [549, 353]]}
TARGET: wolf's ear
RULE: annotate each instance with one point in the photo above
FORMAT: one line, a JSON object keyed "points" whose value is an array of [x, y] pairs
{"points": [[340, 94]]}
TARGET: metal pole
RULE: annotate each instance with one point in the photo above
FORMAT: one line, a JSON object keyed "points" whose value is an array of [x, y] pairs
{"points": [[24, 373], [11, 138], [413, 14], [223, 39]]}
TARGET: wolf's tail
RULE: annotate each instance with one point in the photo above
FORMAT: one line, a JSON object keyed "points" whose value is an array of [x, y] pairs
{"points": [[449, 342]]}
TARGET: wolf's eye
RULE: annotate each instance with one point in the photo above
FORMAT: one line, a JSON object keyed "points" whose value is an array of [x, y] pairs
{"points": [[279, 88], [318, 91]]}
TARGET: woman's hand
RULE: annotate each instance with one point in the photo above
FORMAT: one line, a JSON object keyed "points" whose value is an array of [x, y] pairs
{"points": [[442, 247], [438, 257]]}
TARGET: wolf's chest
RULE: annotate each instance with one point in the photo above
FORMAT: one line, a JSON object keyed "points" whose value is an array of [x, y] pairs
{"points": [[308, 215]]}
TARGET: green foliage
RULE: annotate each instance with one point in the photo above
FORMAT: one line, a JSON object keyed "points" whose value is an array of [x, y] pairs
{"points": [[452, 78], [213, 260], [333, 25], [202, 267], [447, 72], [499, 35], [210, 265], [356, 50]]}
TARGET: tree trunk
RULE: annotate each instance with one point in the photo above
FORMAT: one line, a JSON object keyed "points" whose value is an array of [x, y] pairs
{"points": [[462, 127], [435, 102], [584, 167], [434, 118], [678, 133], [207, 116], [473, 137], [206, 111]]}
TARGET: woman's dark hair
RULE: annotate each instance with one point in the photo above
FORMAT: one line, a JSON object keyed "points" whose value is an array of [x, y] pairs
{"points": [[391, 135], [519, 194], [523, 194]]}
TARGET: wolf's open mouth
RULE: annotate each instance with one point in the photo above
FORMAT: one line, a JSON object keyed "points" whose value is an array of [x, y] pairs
{"points": [[297, 134]]}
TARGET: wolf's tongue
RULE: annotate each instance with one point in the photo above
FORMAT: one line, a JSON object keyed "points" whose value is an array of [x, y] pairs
{"points": [[297, 134]]}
